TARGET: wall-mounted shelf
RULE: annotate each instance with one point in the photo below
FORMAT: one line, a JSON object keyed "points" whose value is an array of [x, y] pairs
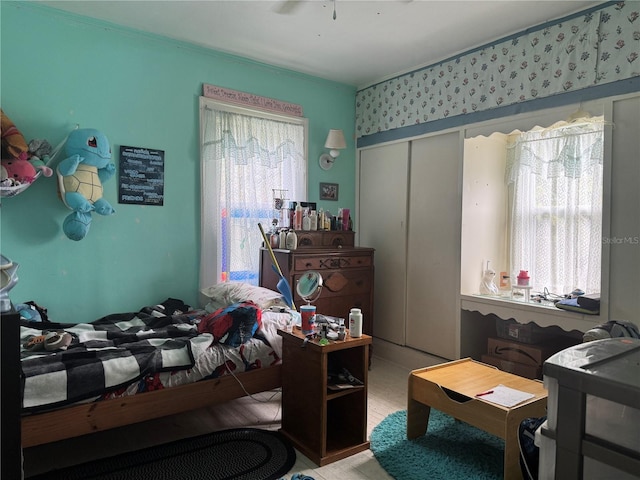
{"points": [[541, 315]]}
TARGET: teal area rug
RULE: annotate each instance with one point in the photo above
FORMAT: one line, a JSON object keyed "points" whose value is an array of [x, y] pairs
{"points": [[450, 450]]}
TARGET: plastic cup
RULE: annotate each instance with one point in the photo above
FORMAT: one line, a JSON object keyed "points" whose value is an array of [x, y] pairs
{"points": [[288, 326], [308, 314]]}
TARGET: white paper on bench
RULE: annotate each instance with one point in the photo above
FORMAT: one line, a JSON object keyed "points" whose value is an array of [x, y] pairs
{"points": [[505, 396]]}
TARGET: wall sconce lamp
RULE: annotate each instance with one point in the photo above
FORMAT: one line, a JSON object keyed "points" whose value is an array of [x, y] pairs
{"points": [[335, 142]]}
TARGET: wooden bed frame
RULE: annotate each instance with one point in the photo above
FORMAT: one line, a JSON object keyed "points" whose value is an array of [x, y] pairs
{"points": [[76, 420]]}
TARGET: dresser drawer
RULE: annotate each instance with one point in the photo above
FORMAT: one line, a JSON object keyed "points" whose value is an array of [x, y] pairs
{"points": [[343, 282], [326, 238], [331, 262]]}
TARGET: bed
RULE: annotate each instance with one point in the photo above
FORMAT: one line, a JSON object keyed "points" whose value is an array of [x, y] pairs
{"points": [[131, 367]]}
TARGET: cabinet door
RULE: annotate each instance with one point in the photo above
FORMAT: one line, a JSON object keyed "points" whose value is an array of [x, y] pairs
{"points": [[382, 200], [433, 244]]}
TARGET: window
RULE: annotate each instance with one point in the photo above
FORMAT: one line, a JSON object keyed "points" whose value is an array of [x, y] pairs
{"points": [[555, 179], [532, 199], [246, 157]]}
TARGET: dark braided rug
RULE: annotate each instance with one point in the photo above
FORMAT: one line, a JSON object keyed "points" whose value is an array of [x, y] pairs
{"points": [[241, 453]]}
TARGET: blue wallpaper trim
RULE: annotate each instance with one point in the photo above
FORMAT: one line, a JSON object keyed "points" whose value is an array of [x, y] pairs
{"points": [[582, 56], [501, 40], [600, 91]]}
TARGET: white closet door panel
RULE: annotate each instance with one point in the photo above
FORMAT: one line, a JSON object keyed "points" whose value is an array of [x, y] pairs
{"points": [[382, 224], [624, 238], [433, 255]]}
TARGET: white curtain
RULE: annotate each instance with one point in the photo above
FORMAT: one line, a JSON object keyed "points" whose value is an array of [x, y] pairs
{"points": [[556, 223], [245, 156]]}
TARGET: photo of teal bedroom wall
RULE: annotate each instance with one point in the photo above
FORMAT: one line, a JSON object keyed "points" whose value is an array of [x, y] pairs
{"points": [[60, 71]]}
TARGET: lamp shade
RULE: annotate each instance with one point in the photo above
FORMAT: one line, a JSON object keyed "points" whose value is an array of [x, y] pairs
{"points": [[335, 140]]}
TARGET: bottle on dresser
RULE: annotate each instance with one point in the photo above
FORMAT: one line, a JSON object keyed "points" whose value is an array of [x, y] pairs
{"points": [[306, 221], [292, 240], [297, 217], [314, 220]]}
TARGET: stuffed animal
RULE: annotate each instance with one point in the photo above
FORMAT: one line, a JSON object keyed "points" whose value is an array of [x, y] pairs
{"points": [[13, 143], [17, 172], [80, 178], [19, 161], [40, 151]]}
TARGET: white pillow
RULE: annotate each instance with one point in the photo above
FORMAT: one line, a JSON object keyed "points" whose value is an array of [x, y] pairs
{"points": [[224, 294]]}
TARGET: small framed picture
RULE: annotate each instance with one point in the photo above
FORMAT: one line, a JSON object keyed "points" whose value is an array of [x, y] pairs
{"points": [[328, 191]]}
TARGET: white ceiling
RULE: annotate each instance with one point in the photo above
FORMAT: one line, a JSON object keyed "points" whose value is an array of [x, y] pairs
{"points": [[369, 41]]}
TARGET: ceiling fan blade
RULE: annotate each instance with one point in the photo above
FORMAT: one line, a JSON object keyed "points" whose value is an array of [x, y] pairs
{"points": [[288, 7]]}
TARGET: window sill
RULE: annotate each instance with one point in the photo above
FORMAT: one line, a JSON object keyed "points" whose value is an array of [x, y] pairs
{"points": [[523, 312]]}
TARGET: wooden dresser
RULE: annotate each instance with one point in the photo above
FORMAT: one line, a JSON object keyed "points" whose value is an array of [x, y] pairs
{"points": [[347, 272]]}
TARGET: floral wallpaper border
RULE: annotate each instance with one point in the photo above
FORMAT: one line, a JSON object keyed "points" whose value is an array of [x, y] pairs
{"points": [[595, 47]]}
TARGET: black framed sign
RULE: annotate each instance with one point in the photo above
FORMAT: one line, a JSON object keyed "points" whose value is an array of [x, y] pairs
{"points": [[141, 176]]}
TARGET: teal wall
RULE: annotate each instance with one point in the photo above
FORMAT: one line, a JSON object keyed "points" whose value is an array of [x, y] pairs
{"points": [[59, 71]]}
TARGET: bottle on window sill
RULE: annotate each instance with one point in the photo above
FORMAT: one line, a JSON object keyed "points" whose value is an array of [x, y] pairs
{"points": [[523, 278]]}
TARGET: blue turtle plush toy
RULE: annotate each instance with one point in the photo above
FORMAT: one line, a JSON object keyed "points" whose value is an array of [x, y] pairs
{"points": [[80, 177]]}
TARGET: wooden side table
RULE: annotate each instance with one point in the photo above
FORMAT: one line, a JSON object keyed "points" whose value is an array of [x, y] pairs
{"points": [[324, 424], [452, 387]]}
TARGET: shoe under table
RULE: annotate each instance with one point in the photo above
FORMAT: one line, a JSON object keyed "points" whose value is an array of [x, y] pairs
{"points": [[452, 388]]}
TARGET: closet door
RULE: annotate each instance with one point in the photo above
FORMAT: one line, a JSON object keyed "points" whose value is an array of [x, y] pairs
{"points": [[382, 222], [433, 244], [624, 236]]}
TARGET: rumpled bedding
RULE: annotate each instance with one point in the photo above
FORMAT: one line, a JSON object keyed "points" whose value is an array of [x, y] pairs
{"points": [[128, 353]]}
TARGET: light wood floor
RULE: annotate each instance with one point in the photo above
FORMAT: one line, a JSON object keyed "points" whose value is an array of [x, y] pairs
{"points": [[387, 394]]}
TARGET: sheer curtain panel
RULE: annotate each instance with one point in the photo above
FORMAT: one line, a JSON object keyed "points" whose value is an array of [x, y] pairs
{"points": [[556, 222], [245, 156]]}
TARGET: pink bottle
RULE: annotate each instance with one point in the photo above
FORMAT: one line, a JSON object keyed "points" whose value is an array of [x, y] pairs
{"points": [[345, 219], [523, 278]]}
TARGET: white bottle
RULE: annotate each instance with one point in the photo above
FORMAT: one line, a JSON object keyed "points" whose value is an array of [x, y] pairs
{"points": [[314, 220], [355, 322], [282, 240], [306, 221], [292, 240]]}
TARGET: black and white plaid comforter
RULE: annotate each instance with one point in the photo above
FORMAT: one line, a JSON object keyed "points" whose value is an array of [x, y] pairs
{"points": [[105, 355]]}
